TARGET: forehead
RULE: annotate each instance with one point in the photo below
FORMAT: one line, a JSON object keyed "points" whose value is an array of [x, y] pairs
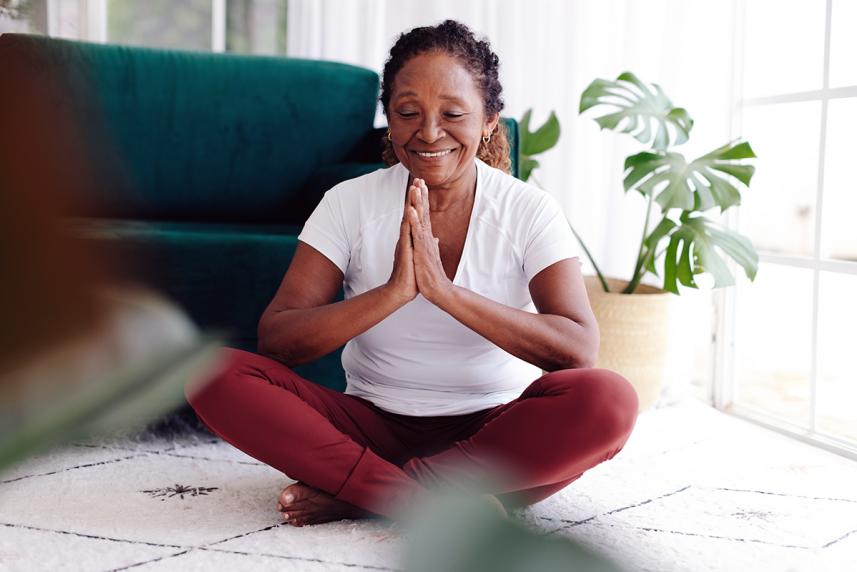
{"points": [[434, 75]]}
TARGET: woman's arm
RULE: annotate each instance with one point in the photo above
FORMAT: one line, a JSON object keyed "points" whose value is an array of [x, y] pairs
{"points": [[301, 324], [564, 334]]}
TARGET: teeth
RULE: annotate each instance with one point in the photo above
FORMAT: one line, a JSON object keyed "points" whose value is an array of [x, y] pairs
{"points": [[438, 154]]}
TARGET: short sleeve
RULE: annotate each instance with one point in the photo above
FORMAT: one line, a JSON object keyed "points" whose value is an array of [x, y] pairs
{"points": [[325, 230], [549, 239]]}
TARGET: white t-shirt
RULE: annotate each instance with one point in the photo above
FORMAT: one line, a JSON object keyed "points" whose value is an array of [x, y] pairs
{"points": [[419, 360]]}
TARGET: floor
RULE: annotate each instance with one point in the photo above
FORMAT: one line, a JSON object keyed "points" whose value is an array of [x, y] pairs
{"points": [[693, 490]]}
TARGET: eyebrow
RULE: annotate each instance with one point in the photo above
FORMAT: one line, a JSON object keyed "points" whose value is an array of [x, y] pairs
{"points": [[407, 93]]}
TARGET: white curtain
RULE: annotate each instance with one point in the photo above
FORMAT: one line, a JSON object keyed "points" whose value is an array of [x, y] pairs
{"points": [[549, 51]]}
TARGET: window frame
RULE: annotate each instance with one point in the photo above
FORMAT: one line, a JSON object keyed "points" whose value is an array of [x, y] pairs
{"points": [[725, 368]]}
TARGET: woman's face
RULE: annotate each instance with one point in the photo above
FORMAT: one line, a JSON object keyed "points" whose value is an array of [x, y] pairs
{"points": [[436, 107]]}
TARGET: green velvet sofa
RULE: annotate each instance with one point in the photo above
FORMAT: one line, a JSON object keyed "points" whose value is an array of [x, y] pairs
{"points": [[206, 165]]}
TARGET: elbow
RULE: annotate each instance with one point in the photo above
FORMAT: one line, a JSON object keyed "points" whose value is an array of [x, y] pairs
{"points": [[262, 335], [263, 348], [592, 345], [266, 345], [580, 360], [584, 354]]}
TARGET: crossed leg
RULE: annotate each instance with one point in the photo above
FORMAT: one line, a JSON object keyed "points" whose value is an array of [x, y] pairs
{"points": [[564, 423], [314, 434]]}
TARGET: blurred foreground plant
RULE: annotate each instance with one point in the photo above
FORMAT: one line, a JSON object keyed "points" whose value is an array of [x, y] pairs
{"points": [[83, 350], [456, 532], [129, 370]]}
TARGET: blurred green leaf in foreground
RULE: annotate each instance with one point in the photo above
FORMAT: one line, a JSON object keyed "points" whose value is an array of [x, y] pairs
{"points": [[456, 532], [83, 349]]}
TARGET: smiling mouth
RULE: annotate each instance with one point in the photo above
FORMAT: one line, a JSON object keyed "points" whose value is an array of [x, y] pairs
{"points": [[432, 155]]}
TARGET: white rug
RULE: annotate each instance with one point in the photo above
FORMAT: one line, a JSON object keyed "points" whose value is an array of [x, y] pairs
{"points": [[693, 490]]}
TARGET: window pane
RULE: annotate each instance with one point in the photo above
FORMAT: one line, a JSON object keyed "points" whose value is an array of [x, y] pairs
{"points": [[24, 17], [66, 18], [837, 332], [783, 46], [160, 23], [773, 338], [840, 187], [843, 43], [778, 211], [256, 26]]}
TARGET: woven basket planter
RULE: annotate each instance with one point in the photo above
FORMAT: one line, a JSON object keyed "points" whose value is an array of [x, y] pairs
{"points": [[633, 334]]}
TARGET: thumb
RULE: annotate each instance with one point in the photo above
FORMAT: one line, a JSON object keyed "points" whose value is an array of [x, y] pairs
{"points": [[405, 237]]}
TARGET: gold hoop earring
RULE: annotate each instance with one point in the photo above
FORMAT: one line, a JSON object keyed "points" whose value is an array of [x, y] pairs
{"points": [[388, 136], [486, 138]]}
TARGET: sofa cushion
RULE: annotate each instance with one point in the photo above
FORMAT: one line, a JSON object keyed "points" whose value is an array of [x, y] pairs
{"points": [[328, 176], [222, 275], [178, 135]]}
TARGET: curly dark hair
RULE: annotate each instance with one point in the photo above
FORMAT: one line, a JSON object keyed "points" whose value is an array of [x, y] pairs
{"points": [[456, 40]]}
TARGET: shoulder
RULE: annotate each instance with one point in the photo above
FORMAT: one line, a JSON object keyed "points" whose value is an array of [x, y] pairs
{"points": [[375, 182], [361, 200], [513, 196]]}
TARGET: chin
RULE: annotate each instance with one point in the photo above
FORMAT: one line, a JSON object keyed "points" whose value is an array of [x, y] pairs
{"points": [[433, 173], [432, 178]]}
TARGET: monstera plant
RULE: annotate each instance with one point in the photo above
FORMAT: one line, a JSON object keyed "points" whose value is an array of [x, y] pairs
{"points": [[685, 239], [535, 142], [689, 242], [680, 240]]}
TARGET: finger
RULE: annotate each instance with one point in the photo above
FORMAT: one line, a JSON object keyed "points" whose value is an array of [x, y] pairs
{"points": [[425, 202], [405, 227], [416, 201], [416, 230]]}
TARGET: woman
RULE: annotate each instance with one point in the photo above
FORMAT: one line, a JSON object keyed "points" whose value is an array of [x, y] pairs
{"points": [[444, 258]]}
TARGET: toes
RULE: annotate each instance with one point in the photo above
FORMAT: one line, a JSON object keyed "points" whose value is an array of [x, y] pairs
{"points": [[299, 522], [299, 491], [296, 518], [289, 491]]}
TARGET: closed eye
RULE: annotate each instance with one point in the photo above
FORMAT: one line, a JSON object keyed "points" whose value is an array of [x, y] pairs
{"points": [[408, 114]]}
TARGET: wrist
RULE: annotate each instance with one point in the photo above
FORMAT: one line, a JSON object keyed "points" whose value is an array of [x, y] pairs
{"points": [[441, 294], [391, 293]]}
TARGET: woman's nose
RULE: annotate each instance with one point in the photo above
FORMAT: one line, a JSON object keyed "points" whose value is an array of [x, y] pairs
{"points": [[430, 130]]}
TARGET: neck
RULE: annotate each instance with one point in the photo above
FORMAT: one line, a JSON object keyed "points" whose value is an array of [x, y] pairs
{"points": [[450, 197]]}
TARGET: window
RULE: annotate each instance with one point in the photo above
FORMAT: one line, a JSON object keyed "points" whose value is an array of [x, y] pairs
{"points": [[161, 23], [787, 338], [245, 26], [59, 18]]}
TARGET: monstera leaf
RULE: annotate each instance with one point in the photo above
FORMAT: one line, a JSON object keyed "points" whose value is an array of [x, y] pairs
{"points": [[641, 106], [693, 249], [698, 185], [535, 142]]}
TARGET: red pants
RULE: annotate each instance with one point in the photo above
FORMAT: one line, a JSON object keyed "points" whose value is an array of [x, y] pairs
{"points": [[564, 423]]}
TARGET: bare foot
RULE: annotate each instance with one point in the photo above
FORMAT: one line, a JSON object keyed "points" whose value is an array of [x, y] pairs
{"points": [[312, 506]]}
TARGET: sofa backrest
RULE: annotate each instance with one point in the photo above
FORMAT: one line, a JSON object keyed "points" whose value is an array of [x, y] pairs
{"points": [[176, 135]]}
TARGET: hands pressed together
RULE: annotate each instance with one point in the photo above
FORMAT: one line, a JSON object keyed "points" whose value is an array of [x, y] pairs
{"points": [[417, 267]]}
